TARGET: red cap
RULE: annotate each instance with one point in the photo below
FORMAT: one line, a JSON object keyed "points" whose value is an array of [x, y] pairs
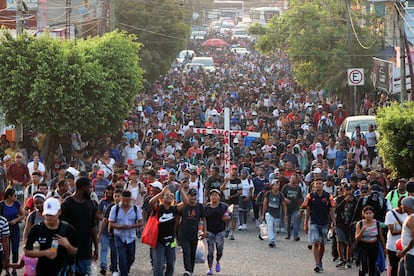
{"points": [[130, 161], [101, 172], [133, 172], [233, 167]]}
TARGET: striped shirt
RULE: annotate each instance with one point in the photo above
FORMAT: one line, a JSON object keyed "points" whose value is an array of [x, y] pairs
{"points": [[4, 230]]}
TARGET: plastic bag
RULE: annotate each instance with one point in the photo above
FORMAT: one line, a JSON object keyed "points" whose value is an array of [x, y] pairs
{"points": [[200, 257], [263, 230]]}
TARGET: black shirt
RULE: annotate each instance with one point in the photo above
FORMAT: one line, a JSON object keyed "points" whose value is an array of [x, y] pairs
{"points": [[213, 183], [215, 223], [166, 228], [190, 219], [82, 216], [44, 236]]}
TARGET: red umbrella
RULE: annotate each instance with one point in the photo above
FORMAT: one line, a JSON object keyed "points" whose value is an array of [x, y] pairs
{"points": [[215, 42]]}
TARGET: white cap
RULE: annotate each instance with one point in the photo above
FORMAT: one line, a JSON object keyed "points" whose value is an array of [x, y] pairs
{"points": [[172, 157], [235, 140], [163, 172], [190, 123], [340, 105], [320, 106], [254, 113], [7, 158], [344, 180], [318, 145], [317, 170], [156, 184], [214, 112], [51, 206]]}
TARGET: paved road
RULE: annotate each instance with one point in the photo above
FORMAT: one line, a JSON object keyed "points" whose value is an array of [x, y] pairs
{"points": [[247, 255]]}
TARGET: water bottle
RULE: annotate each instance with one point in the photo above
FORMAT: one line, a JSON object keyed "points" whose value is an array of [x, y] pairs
{"points": [[54, 246], [263, 230], [200, 230]]}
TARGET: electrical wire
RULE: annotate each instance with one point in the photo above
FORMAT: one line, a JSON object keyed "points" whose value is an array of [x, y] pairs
{"points": [[403, 18], [151, 32], [355, 33]]}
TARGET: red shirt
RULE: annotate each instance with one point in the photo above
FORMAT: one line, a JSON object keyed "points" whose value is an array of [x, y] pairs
{"points": [[18, 172]]}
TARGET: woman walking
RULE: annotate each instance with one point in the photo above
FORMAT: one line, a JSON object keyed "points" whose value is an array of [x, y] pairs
{"points": [[164, 253], [216, 217], [368, 234]]}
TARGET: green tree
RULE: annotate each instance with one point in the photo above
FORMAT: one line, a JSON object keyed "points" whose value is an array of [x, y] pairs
{"points": [[315, 36], [58, 86], [396, 132], [160, 26]]}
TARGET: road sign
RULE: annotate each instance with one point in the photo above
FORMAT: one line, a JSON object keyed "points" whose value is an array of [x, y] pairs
{"points": [[356, 76]]}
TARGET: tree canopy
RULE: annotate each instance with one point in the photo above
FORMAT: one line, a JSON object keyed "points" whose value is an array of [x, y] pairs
{"points": [[161, 28], [57, 86], [317, 41], [396, 132]]}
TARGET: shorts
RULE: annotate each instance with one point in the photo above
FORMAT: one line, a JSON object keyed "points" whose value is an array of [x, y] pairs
{"points": [[318, 233], [83, 266], [235, 214], [343, 236]]}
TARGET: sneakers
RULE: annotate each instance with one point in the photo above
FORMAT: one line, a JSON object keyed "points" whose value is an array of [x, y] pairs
{"points": [[348, 265], [210, 271], [218, 267], [226, 234], [187, 273], [316, 268], [240, 227], [103, 271], [287, 238], [115, 273], [297, 239], [341, 264], [320, 266], [231, 237], [260, 237], [310, 246], [272, 245], [244, 226]]}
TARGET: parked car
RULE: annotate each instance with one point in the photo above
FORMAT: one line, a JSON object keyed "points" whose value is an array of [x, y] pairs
{"points": [[241, 51], [181, 56], [208, 62], [196, 67], [351, 122]]}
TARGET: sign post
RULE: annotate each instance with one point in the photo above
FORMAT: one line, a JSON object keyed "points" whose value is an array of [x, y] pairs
{"points": [[356, 78]]}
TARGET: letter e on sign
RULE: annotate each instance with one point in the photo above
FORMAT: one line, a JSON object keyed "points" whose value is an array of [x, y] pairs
{"points": [[356, 77]]}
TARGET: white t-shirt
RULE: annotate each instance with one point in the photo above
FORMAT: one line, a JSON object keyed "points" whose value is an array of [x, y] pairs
{"points": [[200, 194], [390, 219], [247, 184]]}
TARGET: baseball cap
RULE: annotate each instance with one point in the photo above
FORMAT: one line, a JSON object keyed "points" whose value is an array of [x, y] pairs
{"points": [[330, 178], [408, 202], [163, 172], [156, 184], [190, 123], [233, 167], [101, 172], [51, 206], [340, 105], [172, 171], [192, 191], [133, 172], [317, 170], [344, 181], [410, 187], [320, 106], [172, 157], [7, 158]]}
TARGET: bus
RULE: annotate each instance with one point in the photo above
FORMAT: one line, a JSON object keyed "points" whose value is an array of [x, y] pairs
{"points": [[229, 5], [263, 15]]}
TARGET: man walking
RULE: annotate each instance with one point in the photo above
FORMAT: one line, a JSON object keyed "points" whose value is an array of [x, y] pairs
{"points": [[293, 198], [124, 218], [80, 211], [319, 208]]}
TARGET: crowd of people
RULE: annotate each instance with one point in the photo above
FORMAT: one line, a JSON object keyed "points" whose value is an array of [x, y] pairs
{"points": [[97, 195]]}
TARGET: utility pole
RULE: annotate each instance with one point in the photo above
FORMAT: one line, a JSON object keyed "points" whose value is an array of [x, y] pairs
{"points": [[111, 15], [352, 90], [19, 17], [68, 18], [402, 52]]}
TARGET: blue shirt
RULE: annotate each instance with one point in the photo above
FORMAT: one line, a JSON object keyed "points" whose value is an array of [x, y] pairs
{"points": [[128, 218]]}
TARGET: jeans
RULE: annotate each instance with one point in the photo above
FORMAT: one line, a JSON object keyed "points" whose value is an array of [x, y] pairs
{"points": [[114, 255], [104, 240], [272, 223], [293, 219], [15, 241], [163, 255], [189, 251], [393, 261], [126, 255]]}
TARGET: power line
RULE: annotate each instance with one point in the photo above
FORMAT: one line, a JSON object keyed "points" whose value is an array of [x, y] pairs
{"points": [[151, 32]]}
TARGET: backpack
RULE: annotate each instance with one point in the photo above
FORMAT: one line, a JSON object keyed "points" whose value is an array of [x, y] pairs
{"points": [[117, 211]]}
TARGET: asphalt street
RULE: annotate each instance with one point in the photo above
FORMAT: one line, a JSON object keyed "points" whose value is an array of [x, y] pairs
{"points": [[247, 255]]}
